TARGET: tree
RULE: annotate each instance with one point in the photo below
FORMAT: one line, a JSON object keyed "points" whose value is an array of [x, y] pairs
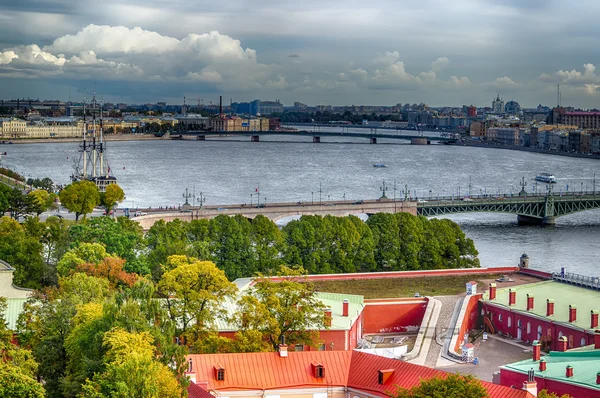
{"points": [[122, 237], [164, 240], [17, 366], [5, 196], [194, 292], [451, 386], [113, 195], [267, 241], [41, 200], [546, 394], [231, 246], [19, 204], [286, 308], [21, 251], [110, 268], [92, 253], [131, 369], [80, 198]]}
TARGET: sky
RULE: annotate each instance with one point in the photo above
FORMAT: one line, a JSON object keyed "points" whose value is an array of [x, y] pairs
{"points": [[337, 52]]}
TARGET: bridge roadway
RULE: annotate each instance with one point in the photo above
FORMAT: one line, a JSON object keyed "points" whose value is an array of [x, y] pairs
{"points": [[254, 135], [277, 211], [530, 208]]}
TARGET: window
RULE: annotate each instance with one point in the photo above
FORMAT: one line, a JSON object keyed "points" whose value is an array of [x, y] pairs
{"points": [[299, 347], [509, 322], [539, 332], [322, 347], [220, 374], [583, 342], [560, 334], [499, 317], [528, 327]]}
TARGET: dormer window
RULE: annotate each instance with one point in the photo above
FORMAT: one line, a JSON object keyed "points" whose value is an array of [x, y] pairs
{"points": [[318, 370], [219, 373], [384, 375]]}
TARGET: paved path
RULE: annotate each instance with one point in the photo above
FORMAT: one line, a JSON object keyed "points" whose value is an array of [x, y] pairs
{"points": [[443, 322]]}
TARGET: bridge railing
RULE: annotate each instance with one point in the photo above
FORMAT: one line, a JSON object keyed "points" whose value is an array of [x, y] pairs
{"points": [[577, 279]]}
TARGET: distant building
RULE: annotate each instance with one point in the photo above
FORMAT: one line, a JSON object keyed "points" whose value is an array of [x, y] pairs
{"points": [[270, 107], [472, 111], [498, 105], [503, 135], [512, 108], [477, 129], [12, 127]]}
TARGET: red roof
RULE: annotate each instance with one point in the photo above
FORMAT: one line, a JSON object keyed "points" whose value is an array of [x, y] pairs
{"points": [[582, 113], [354, 369]]}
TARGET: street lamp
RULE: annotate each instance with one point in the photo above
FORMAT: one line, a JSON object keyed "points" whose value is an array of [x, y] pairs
{"points": [[312, 198]]}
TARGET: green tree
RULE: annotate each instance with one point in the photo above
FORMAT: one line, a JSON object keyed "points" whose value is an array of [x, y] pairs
{"points": [[41, 200], [122, 237], [194, 292], [23, 252], [451, 386], [113, 195], [165, 239], [283, 308], [19, 204], [92, 253], [231, 246], [386, 237], [266, 241], [546, 394], [5, 197], [80, 198]]}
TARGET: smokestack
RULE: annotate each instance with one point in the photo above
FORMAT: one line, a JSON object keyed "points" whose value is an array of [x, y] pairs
{"points": [[542, 365], [596, 339], [572, 313], [345, 306], [512, 297], [549, 307], [562, 344], [536, 350], [220, 104], [529, 302], [569, 372], [492, 291], [594, 319], [328, 315]]}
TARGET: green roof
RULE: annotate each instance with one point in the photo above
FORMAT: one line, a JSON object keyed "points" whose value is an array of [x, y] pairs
{"points": [[563, 294], [585, 364], [13, 310]]}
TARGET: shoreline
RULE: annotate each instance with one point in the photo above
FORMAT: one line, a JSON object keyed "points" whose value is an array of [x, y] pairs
{"points": [[524, 149], [123, 137]]}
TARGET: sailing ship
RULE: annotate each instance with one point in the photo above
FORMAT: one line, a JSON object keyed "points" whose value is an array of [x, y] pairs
{"points": [[92, 164]]}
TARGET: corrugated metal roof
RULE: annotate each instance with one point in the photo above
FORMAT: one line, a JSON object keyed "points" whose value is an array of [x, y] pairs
{"points": [[267, 370], [585, 363], [13, 310], [563, 295]]}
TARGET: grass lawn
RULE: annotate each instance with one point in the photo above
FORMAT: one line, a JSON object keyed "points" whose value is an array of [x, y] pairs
{"points": [[402, 287]]}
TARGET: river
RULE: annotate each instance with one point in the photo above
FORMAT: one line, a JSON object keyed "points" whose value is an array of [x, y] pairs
{"points": [[228, 170]]}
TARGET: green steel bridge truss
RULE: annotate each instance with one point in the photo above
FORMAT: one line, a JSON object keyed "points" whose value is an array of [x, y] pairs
{"points": [[536, 206]]}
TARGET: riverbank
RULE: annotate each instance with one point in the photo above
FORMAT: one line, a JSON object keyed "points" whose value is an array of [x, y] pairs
{"points": [[121, 137], [523, 149]]}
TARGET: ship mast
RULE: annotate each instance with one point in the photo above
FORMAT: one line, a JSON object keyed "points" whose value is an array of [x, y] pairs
{"points": [[101, 166], [84, 148], [94, 154]]}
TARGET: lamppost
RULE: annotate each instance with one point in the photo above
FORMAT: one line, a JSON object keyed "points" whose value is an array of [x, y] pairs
{"points": [[320, 192], [250, 200], [201, 199], [312, 198], [405, 192], [186, 196], [383, 189], [265, 204]]}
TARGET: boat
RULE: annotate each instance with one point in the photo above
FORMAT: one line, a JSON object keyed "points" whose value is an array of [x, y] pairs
{"points": [[546, 177], [92, 164], [379, 165]]}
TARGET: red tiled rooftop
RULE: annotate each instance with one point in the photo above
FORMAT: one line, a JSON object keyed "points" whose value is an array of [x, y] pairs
{"points": [[354, 369]]}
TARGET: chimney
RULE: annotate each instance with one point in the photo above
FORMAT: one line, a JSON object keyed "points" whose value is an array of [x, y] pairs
{"points": [[512, 297], [530, 385], [562, 344], [537, 350], [593, 319], [569, 372], [492, 291], [597, 339], [542, 365], [572, 313], [345, 306], [220, 104], [328, 317], [549, 307], [283, 350], [529, 302]]}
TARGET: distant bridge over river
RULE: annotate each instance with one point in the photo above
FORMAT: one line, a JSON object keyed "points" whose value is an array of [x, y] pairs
{"points": [[373, 136], [540, 209]]}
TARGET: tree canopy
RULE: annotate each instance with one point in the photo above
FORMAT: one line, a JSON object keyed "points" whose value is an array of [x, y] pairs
{"points": [[80, 197], [451, 386]]}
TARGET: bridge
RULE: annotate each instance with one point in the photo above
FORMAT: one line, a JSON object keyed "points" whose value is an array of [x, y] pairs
{"points": [[372, 136], [540, 209]]}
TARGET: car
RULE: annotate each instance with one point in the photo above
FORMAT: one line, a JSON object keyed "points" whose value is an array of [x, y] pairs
{"points": [[139, 214], [466, 199], [421, 201], [260, 206], [358, 202]]}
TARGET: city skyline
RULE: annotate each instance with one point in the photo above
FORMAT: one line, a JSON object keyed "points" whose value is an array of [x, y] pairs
{"points": [[339, 53]]}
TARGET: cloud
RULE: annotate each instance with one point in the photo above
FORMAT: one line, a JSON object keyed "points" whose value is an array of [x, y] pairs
{"points": [[440, 64], [586, 81], [117, 52], [293, 56], [503, 83]]}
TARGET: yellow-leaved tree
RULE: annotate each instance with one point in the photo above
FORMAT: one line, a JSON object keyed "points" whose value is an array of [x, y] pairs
{"points": [[131, 369]]}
